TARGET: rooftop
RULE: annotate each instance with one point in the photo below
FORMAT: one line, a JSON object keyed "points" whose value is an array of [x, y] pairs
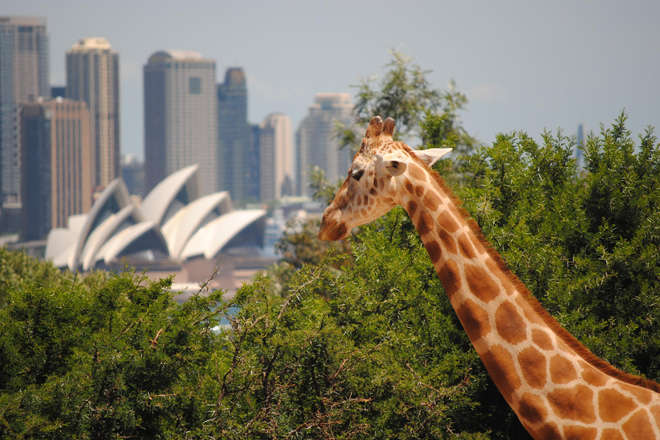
{"points": [[177, 55], [91, 43]]}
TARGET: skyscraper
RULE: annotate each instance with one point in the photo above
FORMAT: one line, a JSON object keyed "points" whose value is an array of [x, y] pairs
{"points": [[317, 141], [23, 77], [252, 172], [234, 137], [276, 157], [92, 76], [180, 117], [56, 176]]}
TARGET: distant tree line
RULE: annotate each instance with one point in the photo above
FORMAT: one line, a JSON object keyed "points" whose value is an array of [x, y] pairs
{"points": [[350, 340]]}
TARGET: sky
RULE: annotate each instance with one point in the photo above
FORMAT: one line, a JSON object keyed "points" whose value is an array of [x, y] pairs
{"points": [[524, 65]]}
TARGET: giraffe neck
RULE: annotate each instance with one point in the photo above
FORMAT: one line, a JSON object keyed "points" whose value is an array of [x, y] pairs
{"points": [[553, 383]]}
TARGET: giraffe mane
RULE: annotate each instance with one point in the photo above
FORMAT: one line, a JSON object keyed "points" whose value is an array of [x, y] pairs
{"points": [[552, 323]]}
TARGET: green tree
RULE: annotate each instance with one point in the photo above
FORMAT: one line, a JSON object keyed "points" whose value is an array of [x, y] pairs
{"points": [[422, 113], [100, 356]]}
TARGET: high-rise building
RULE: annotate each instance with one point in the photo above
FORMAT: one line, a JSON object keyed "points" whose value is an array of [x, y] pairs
{"points": [[56, 176], [234, 137], [23, 77], [252, 172], [92, 76], [276, 156], [317, 139], [180, 117], [132, 172], [58, 91]]}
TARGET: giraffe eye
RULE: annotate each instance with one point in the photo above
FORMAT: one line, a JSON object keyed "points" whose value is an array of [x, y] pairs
{"points": [[357, 174]]}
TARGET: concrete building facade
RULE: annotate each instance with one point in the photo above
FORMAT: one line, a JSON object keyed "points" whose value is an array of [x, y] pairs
{"points": [[56, 177], [180, 117], [92, 76], [277, 157], [317, 142], [23, 77]]}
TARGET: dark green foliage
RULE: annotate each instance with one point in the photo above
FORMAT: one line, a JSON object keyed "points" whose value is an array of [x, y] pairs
{"points": [[99, 357]]}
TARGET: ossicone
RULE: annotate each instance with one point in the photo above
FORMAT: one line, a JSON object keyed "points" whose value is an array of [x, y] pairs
{"points": [[388, 127], [375, 127]]}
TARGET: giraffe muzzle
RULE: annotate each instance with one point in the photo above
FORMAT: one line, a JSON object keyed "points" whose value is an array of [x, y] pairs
{"points": [[332, 229]]}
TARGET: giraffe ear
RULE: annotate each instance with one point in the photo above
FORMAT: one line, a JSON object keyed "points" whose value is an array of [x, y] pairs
{"points": [[432, 155]]}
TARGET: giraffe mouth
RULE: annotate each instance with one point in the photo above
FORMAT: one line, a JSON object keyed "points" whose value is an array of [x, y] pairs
{"points": [[332, 231]]}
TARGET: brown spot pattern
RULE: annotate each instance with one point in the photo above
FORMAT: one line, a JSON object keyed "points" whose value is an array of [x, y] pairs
{"points": [[592, 376], [465, 246], [450, 277], [412, 208], [481, 284], [533, 366], [409, 186], [562, 370], [639, 426], [528, 311], [499, 364], [474, 319], [510, 324], [501, 275], [532, 408], [575, 403], [447, 223], [575, 432], [655, 410], [643, 395], [416, 172], [424, 223], [548, 431], [434, 251], [419, 190], [613, 406], [611, 434], [541, 339], [431, 201], [447, 241]]}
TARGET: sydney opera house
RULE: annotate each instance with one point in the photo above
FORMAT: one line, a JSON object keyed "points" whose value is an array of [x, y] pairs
{"points": [[173, 223]]}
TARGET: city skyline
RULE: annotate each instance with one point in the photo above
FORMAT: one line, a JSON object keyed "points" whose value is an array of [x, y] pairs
{"points": [[523, 66]]}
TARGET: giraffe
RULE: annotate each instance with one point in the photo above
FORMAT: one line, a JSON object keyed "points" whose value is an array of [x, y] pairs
{"points": [[555, 385]]}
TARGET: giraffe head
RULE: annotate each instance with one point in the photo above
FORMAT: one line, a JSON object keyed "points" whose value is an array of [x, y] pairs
{"points": [[374, 178]]}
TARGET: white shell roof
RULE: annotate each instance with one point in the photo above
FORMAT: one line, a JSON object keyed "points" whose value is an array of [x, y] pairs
{"points": [[116, 189], [155, 204], [210, 239], [124, 238], [202, 227], [102, 233], [182, 225]]}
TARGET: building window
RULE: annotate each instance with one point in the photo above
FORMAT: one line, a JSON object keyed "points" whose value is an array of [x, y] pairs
{"points": [[194, 85]]}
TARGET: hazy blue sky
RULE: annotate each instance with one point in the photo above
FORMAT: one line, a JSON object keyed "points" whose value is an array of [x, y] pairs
{"points": [[525, 65]]}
